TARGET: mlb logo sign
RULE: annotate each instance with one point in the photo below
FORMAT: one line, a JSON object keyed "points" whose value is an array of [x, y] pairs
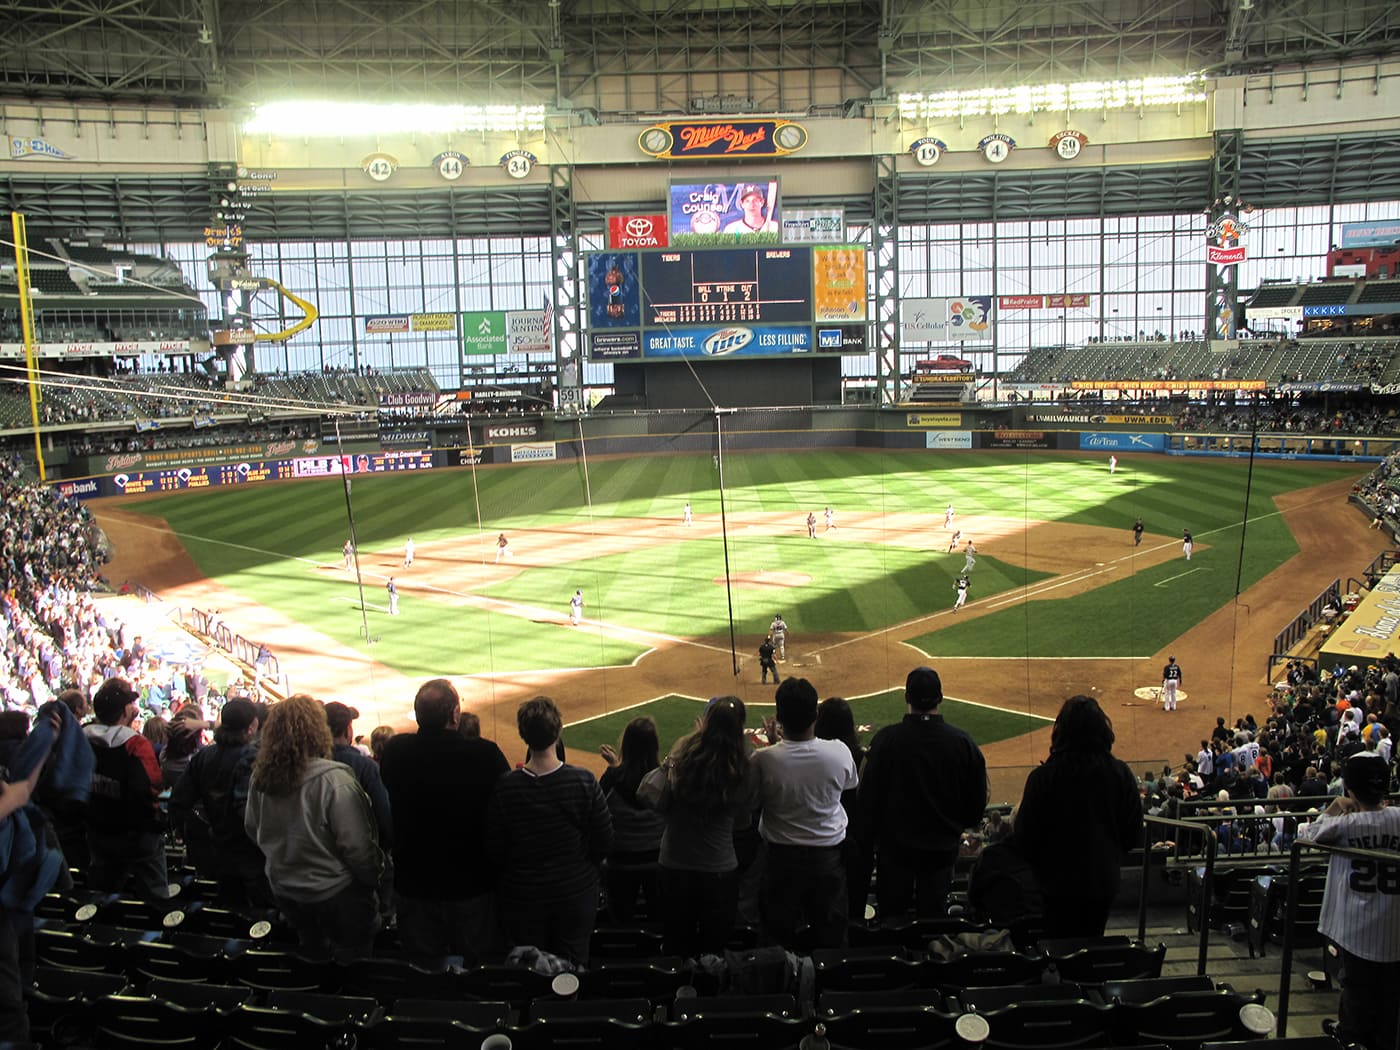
{"points": [[829, 339]]}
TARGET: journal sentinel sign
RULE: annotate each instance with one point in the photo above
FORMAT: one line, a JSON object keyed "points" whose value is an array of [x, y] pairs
{"points": [[1123, 442]]}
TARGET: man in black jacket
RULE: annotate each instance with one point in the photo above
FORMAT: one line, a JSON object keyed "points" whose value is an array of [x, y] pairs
{"points": [[923, 783], [439, 783]]}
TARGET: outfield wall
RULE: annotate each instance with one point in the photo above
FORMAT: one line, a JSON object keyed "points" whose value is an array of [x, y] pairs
{"points": [[550, 439]]}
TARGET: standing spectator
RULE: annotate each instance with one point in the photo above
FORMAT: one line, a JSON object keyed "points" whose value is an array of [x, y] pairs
{"points": [[637, 829], [439, 784], [1360, 905], [314, 825], [378, 740], [204, 808], [800, 782], [1079, 813], [924, 782], [705, 789], [836, 721], [341, 720], [123, 817], [547, 831]]}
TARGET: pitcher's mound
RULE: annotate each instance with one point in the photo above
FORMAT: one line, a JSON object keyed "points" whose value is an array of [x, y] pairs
{"points": [[762, 580]]}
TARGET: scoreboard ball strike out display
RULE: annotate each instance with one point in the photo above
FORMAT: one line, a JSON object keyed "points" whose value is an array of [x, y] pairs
{"points": [[726, 302]]}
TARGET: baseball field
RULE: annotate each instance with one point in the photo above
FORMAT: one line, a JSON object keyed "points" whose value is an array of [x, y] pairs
{"points": [[1061, 600]]}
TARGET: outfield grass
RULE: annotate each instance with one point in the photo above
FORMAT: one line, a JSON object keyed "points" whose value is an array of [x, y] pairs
{"points": [[266, 541], [675, 717]]}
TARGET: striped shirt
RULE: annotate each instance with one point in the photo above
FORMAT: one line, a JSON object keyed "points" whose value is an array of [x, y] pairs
{"points": [[1361, 905]]}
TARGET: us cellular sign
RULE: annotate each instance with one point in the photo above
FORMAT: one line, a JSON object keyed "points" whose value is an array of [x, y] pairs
{"points": [[637, 231]]}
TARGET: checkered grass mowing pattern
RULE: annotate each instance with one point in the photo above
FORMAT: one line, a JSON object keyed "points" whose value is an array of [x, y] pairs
{"points": [[245, 537], [675, 717]]}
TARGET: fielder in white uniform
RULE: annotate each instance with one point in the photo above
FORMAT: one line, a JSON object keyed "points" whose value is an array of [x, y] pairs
{"points": [[961, 586], [948, 516], [1361, 904], [1187, 543], [1112, 465], [685, 519], [576, 608], [502, 547], [953, 543], [1171, 678], [830, 519], [408, 553]]}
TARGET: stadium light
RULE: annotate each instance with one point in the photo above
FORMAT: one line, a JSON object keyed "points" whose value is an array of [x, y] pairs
{"points": [[1054, 98], [361, 119]]}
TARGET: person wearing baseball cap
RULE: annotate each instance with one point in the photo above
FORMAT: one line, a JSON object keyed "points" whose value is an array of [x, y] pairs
{"points": [[1361, 904], [341, 718], [753, 200], [124, 826], [924, 781]]}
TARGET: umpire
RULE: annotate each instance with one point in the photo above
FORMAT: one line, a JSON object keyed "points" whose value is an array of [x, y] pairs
{"points": [[765, 660]]}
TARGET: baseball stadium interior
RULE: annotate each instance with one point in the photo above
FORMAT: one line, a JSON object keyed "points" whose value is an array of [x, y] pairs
{"points": [[550, 270]]}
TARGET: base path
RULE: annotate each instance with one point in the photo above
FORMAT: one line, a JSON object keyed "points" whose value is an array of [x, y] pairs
{"points": [[1223, 658]]}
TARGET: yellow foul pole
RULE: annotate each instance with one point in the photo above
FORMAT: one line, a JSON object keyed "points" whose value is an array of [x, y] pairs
{"points": [[26, 319]]}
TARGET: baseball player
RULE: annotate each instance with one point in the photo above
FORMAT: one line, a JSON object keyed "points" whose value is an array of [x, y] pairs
{"points": [[502, 547], [393, 590], [765, 659], [961, 586], [1171, 678], [348, 551], [408, 553], [830, 519], [948, 516], [1361, 902], [1187, 544], [970, 559], [1112, 465], [953, 543], [685, 518], [576, 608], [1137, 532], [777, 630], [811, 525]]}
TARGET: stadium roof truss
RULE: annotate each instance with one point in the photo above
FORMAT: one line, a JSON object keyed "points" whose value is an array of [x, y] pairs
{"points": [[611, 57]]}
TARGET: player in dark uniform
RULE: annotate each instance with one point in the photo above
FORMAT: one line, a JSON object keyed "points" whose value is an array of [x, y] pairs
{"points": [[766, 662], [1137, 532]]}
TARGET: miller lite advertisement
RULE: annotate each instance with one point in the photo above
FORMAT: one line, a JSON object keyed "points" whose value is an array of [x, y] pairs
{"points": [[637, 231]]}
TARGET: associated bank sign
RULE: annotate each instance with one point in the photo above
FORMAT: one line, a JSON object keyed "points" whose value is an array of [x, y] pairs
{"points": [[1124, 442], [948, 439]]}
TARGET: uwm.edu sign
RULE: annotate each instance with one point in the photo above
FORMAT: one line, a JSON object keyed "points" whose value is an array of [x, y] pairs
{"points": [[637, 231]]}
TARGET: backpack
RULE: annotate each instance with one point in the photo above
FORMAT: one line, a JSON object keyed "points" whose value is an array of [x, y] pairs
{"points": [[123, 798]]}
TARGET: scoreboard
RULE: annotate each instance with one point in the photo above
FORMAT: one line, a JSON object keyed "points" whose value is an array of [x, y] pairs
{"points": [[761, 284], [764, 301]]}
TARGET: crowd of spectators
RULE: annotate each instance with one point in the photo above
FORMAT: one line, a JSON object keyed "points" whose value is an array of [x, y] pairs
{"points": [[1286, 416]]}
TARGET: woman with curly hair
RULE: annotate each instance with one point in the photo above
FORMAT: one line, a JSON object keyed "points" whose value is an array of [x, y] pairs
{"points": [[706, 789], [314, 824]]}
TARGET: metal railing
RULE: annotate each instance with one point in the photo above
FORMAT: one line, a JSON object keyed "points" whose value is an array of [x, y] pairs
{"points": [[1206, 882], [1291, 635], [243, 649]]}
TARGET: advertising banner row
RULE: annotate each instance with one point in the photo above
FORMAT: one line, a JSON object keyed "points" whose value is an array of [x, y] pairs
{"points": [[1006, 437]]}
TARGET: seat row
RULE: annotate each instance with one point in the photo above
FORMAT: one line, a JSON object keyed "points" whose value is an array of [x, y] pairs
{"points": [[1177, 1013]]}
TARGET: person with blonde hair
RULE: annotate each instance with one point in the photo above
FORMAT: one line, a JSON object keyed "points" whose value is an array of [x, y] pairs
{"points": [[314, 824]]}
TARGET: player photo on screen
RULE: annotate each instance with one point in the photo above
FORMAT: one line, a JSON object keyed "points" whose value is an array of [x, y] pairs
{"points": [[614, 293], [719, 213]]}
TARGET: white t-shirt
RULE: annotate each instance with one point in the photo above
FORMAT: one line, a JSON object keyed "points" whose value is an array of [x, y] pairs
{"points": [[800, 785]]}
